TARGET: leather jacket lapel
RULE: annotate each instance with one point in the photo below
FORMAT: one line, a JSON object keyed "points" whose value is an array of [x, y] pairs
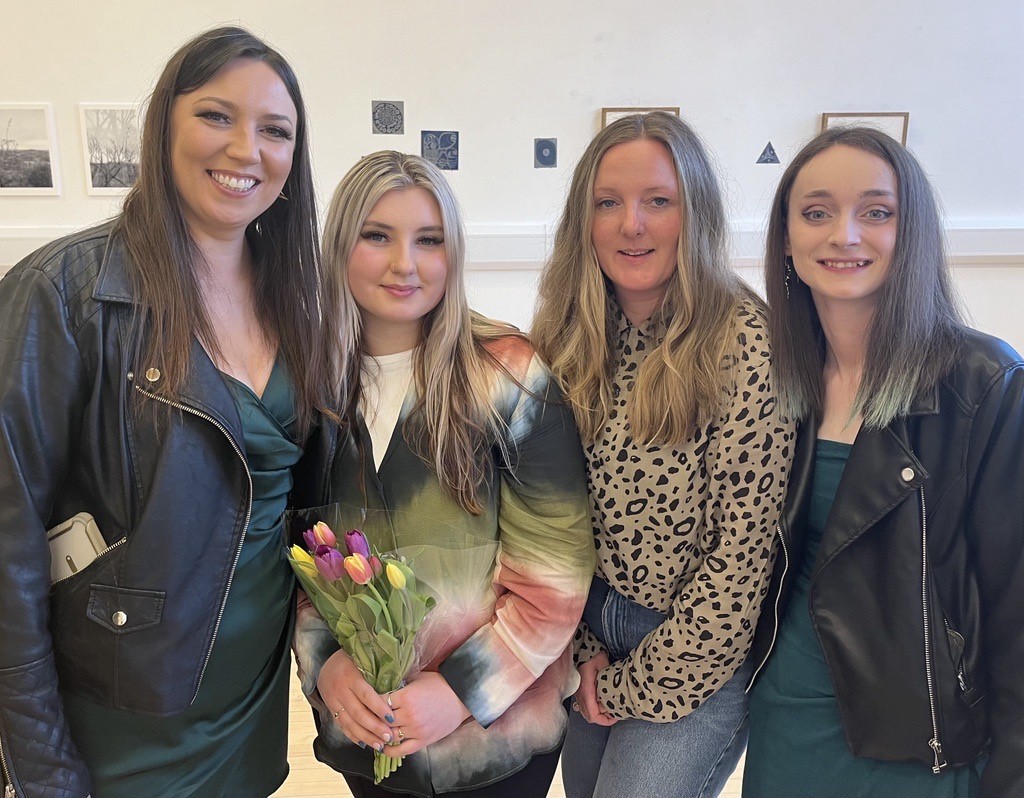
{"points": [[798, 494], [205, 389], [881, 472]]}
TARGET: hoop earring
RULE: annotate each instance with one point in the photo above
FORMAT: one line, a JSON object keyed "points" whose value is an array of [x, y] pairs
{"points": [[789, 271]]}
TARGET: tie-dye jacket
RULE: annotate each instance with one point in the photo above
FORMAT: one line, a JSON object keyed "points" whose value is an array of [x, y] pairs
{"points": [[512, 582]]}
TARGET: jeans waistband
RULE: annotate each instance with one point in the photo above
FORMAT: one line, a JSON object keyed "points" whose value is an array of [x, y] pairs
{"points": [[616, 620]]}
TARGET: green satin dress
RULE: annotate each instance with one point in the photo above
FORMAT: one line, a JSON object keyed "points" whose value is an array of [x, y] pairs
{"points": [[233, 740], [797, 748]]}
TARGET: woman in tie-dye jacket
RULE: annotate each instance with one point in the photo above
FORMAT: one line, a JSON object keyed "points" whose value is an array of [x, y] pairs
{"points": [[457, 446]]}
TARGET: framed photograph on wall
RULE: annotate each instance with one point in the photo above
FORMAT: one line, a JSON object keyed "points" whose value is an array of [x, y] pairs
{"points": [[28, 150], [609, 115], [895, 123], [110, 144]]}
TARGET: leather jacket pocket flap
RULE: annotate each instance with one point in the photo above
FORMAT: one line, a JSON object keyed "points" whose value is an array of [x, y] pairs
{"points": [[122, 610]]}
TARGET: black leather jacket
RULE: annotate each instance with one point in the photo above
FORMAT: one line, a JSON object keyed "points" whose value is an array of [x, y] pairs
{"points": [[917, 597], [169, 489]]}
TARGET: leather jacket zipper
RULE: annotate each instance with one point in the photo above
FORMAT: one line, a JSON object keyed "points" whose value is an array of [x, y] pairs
{"points": [[106, 551], [775, 609], [248, 515], [929, 673], [8, 781], [959, 643]]}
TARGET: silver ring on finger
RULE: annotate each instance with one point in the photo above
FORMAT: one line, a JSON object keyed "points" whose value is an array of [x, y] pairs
{"points": [[387, 699], [338, 712]]}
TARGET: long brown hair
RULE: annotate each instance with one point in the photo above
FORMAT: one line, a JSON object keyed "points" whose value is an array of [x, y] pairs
{"points": [[454, 422], [679, 385], [163, 257], [916, 326]]}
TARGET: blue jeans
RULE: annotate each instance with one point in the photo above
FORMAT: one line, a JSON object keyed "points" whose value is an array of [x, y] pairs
{"points": [[690, 758]]}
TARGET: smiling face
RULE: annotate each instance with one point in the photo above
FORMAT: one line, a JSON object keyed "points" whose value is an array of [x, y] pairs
{"points": [[232, 141], [842, 224], [398, 269], [637, 221]]}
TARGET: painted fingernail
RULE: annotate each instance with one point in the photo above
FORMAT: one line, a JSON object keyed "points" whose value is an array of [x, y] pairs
{"points": [[362, 744], [387, 737], [378, 747], [389, 718]]}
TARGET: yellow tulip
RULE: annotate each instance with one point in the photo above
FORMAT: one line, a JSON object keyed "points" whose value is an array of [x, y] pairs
{"points": [[395, 576], [300, 555]]}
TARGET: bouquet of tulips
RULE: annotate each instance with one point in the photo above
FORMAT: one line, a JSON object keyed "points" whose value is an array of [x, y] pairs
{"points": [[372, 603]]}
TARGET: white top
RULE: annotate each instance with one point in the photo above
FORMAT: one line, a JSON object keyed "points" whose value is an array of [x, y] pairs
{"points": [[385, 382]]}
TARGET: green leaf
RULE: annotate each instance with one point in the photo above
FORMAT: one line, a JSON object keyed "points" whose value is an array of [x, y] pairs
{"points": [[388, 644], [344, 628], [420, 607], [355, 649], [364, 611], [396, 608]]}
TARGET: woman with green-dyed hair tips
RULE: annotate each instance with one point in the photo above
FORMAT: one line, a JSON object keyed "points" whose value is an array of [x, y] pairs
{"points": [[890, 662]]}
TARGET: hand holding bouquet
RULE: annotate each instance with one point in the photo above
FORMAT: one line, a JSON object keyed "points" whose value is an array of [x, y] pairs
{"points": [[372, 603]]}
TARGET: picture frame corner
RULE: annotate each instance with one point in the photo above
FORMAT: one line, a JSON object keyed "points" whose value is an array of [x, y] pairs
{"points": [[47, 128]]}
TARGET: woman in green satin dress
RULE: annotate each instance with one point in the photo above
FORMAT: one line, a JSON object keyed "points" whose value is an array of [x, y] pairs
{"points": [[222, 379], [890, 665]]}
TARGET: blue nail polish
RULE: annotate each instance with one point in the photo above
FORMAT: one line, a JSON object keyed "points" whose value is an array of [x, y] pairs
{"points": [[389, 718], [361, 744]]}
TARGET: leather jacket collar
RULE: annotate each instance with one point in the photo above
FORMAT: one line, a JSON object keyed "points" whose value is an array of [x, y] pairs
{"points": [[113, 283]]}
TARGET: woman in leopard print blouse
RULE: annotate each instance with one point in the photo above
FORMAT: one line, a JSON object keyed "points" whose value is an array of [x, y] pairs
{"points": [[662, 353]]}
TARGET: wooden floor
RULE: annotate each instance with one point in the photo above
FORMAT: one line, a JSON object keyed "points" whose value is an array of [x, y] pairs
{"points": [[311, 779]]}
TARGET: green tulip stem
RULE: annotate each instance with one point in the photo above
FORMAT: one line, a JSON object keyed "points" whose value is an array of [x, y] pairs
{"points": [[383, 607]]}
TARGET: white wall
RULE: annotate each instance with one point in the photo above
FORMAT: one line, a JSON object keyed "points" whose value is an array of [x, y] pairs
{"points": [[743, 72]]}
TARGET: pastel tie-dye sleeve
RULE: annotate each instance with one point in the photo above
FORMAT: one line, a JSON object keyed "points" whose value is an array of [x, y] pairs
{"points": [[545, 559], [313, 644]]}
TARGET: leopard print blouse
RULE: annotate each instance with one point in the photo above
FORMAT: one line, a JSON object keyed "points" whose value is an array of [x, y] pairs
{"points": [[689, 531]]}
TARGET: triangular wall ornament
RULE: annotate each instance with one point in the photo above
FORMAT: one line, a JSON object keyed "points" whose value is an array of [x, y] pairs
{"points": [[768, 154]]}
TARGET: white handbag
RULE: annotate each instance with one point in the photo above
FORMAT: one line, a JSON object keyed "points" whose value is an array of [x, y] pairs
{"points": [[73, 545]]}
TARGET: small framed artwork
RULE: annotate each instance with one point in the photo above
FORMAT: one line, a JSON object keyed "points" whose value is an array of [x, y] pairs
{"points": [[545, 153], [609, 115], [28, 150], [388, 117], [441, 148], [895, 123], [110, 143]]}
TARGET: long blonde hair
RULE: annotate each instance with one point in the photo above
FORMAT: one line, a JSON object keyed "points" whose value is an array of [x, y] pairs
{"points": [[679, 385], [454, 422]]}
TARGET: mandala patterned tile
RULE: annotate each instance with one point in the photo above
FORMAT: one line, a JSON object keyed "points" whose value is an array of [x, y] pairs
{"points": [[388, 117]]}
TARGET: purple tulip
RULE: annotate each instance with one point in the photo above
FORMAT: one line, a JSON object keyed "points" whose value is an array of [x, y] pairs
{"points": [[356, 543], [330, 563]]}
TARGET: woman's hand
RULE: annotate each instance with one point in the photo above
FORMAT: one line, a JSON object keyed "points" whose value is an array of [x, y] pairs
{"points": [[360, 713], [586, 702], [425, 711]]}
